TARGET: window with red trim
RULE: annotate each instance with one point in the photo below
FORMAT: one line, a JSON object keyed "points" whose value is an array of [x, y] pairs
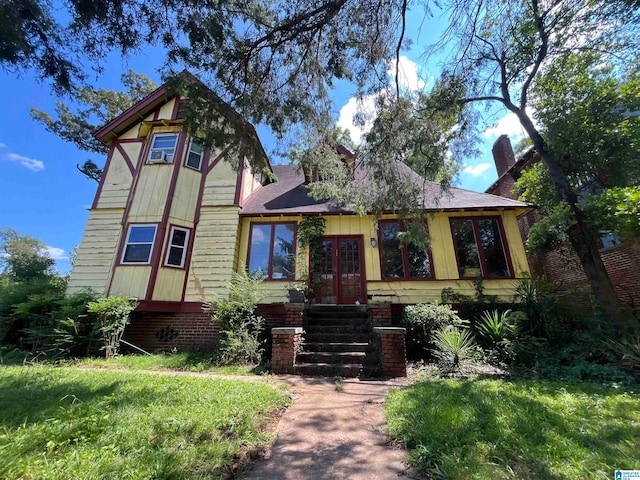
{"points": [[177, 248], [398, 260], [480, 248], [272, 250]]}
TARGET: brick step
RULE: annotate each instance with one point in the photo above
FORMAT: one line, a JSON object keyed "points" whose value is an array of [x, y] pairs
{"points": [[331, 357], [319, 307], [328, 369], [337, 337], [310, 329], [335, 347], [337, 321], [350, 315]]}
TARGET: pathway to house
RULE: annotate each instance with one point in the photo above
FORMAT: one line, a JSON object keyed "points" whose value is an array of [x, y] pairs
{"points": [[330, 434]]}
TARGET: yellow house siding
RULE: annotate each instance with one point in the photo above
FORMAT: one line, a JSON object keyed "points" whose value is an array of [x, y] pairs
{"points": [[214, 250], [130, 280], [150, 196], [169, 284], [166, 111], [220, 185], [118, 181], [185, 198], [97, 251]]}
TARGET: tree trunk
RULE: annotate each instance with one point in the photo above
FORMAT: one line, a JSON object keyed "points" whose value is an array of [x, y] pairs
{"points": [[582, 239]]}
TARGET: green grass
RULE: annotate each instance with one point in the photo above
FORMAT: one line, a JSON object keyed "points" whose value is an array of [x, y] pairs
{"points": [[175, 361], [522, 429], [62, 423]]}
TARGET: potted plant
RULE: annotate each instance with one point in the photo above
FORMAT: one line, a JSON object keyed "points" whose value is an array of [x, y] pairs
{"points": [[297, 291]]}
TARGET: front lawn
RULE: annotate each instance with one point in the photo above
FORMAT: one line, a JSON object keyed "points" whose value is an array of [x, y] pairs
{"points": [[520, 429], [61, 423]]}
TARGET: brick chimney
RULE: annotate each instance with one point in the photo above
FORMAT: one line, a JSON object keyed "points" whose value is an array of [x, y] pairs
{"points": [[503, 154]]}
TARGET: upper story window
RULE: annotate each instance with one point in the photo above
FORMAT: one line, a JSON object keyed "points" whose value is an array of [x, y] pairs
{"points": [[401, 261], [177, 249], [139, 244], [271, 250], [163, 148], [195, 154], [480, 248]]}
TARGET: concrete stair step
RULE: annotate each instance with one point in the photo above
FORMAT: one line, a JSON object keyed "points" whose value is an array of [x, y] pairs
{"points": [[335, 347], [328, 369], [331, 357], [337, 321], [310, 329], [337, 337]]}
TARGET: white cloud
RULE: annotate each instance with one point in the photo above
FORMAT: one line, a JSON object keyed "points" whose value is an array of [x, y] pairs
{"points": [[364, 106], [2, 145], [55, 253], [476, 170], [407, 74], [507, 125], [30, 163]]}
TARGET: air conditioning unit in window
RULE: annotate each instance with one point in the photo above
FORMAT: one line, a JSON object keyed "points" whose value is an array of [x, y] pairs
{"points": [[158, 156]]}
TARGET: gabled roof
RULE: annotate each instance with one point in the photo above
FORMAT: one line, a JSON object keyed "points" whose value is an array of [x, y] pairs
{"points": [[289, 196]]}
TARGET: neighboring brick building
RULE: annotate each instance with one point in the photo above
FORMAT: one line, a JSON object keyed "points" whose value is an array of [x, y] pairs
{"points": [[562, 267]]}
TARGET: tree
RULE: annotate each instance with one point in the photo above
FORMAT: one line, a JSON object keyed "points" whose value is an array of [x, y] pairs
{"points": [[23, 257], [98, 107]]}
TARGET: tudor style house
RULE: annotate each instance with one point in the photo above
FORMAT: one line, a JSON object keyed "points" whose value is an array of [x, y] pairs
{"points": [[171, 222]]}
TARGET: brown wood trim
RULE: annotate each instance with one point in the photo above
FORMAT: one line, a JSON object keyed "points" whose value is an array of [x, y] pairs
{"points": [[144, 151], [237, 198], [476, 232], [203, 178], [405, 257], [176, 106], [131, 140], [127, 160], [217, 159], [103, 177], [169, 307], [155, 258], [132, 114], [156, 113]]}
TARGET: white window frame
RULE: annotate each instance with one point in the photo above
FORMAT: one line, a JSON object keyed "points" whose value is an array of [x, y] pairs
{"points": [[171, 245], [128, 242], [164, 155], [186, 160]]}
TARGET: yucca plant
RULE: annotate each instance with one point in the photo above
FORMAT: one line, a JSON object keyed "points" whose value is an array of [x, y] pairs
{"points": [[629, 350], [454, 348], [495, 327]]}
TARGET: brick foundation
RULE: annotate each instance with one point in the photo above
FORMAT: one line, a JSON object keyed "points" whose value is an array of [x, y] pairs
{"points": [[157, 331], [380, 314], [284, 348], [393, 351]]}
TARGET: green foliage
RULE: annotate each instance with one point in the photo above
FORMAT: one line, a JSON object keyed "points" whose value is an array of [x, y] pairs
{"points": [[309, 231], [536, 298], [616, 210], [494, 429], [629, 352], [422, 322], [23, 257], [113, 314], [239, 326], [455, 348], [495, 332], [61, 423]]}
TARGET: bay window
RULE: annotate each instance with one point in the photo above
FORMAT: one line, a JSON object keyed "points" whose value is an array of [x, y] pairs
{"points": [[480, 248], [271, 250]]}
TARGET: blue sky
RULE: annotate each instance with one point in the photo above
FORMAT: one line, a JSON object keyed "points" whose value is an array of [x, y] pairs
{"points": [[43, 195]]}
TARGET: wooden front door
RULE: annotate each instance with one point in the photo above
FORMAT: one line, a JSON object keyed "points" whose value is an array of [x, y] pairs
{"points": [[338, 271]]}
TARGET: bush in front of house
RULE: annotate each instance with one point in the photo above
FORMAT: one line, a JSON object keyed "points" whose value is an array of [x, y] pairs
{"points": [[240, 327], [423, 321], [114, 314]]}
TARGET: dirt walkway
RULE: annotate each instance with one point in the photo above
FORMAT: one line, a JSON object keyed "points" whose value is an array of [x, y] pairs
{"points": [[330, 434]]}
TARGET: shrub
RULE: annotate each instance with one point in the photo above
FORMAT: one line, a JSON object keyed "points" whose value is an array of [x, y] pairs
{"points": [[240, 327], [495, 332], [423, 321], [455, 347], [114, 314]]}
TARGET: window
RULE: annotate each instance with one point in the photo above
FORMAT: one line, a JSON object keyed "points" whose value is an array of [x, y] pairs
{"points": [[163, 148], [480, 248], [194, 156], [271, 250], [139, 244], [177, 249], [401, 261]]}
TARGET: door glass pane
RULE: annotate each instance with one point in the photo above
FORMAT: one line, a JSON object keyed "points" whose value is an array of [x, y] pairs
{"points": [[464, 239], [392, 265], [323, 272], [494, 255], [259, 250], [350, 281], [283, 251]]}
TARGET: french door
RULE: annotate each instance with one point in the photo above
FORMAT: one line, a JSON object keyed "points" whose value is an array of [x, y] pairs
{"points": [[338, 270]]}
